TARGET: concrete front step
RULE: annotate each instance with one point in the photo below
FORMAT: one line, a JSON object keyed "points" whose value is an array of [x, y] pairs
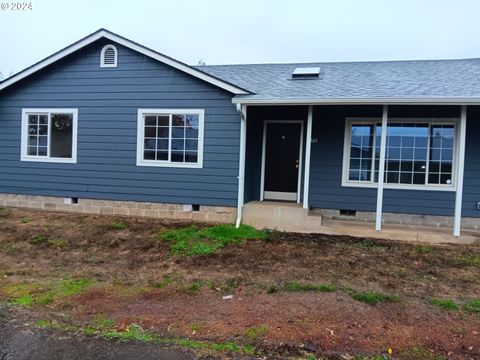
{"points": [[280, 216]]}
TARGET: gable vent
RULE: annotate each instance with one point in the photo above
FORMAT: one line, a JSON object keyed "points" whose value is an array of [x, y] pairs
{"points": [[306, 73], [108, 56]]}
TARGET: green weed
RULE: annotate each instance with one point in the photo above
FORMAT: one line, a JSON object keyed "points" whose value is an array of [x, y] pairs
{"points": [[372, 298], [473, 306], [39, 239], [193, 288], [118, 225], [423, 249], [254, 332], [25, 220], [294, 286], [57, 243], [23, 300], [470, 259], [133, 333], [43, 323], [446, 304]]}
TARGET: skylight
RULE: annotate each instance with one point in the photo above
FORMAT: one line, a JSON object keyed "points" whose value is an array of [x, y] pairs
{"points": [[306, 73]]}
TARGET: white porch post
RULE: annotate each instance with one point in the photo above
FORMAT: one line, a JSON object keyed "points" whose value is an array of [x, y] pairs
{"points": [[308, 149], [242, 109], [460, 170], [381, 169]]}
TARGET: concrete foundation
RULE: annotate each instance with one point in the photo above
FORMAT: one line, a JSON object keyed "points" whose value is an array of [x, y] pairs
{"points": [[213, 214]]}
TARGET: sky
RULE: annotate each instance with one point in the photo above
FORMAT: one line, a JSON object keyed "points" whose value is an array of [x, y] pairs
{"points": [[246, 31]]}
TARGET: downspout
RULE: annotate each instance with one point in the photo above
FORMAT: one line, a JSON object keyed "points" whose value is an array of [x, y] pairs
{"points": [[241, 167]]}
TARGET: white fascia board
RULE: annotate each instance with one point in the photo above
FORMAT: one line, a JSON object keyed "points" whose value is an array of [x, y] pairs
{"points": [[353, 101], [131, 45]]}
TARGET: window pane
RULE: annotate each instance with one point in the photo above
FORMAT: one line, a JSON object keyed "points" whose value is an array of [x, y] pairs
{"points": [[191, 144], [42, 151], [191, 157], [61, 135], [162, 132], [162, 155], [162, 144], [150, 121], [178, 144], [43, 129], [43, 141], [177, 156], [149, 155], [163, 120], [149, 144], [43, 119], [361, 148], [32, 140], [33, 129], [150, 131], [178, 132], [178, 120], [32, 150], [33, 119], [192, 120], [191, 133]]}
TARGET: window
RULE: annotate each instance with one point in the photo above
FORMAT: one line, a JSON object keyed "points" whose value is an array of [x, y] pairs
{"points": [[419, 153], [170, 137], [108, 56], [49, 135]]}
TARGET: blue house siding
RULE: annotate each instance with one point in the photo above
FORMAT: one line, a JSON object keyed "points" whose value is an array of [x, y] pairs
{"points": [[326, 189], [107, 100]]}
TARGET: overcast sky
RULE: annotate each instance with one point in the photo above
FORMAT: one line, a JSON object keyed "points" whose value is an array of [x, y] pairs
{"points": [[245, 31]]}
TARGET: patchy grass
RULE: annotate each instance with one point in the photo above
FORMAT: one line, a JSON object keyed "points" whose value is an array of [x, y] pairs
{"points": [[294, 286], [470, 259], [423, 249], [255, 332], [118, 225], [57, 243], [193, 288], [473, 306], [43, 323], [191, 240], [166, 281], [132, 333], [39, 239], [25, 220], [372, 298], [419, 353], [375, 245], [446, 304], [37, 294], [204, 345]]}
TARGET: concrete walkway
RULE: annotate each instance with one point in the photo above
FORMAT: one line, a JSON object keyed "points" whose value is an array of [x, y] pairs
{"points": [[293, 218]]}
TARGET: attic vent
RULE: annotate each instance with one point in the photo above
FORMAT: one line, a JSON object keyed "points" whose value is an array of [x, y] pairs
{"points": [[108, 56], [306, 73]]}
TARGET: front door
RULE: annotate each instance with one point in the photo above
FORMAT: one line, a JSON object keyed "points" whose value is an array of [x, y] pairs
{"points": [[282, 160]]}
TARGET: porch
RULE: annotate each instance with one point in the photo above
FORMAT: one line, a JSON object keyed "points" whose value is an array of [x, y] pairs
{"points": [[302, 161]]}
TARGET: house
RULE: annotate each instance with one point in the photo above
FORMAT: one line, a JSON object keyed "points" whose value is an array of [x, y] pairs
{"points": [[109, 126]]}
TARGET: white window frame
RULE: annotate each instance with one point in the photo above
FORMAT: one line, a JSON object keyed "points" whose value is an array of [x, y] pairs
{"points": [[102, 56], [371, 184], [168, 163], [48, 111]]}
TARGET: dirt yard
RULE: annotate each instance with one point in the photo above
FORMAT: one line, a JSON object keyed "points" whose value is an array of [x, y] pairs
{"points": [[294, 295]]}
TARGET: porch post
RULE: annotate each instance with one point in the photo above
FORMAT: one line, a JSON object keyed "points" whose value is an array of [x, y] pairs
{"points": [[460, 170], [381, 169], [242, 109], [308, 149]]}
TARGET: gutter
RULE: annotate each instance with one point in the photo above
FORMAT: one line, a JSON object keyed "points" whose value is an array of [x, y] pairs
{"points": [[352, 101], [241, 167]]}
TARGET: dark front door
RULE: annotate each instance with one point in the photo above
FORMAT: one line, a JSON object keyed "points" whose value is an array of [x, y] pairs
{"points": [[282, 161]]}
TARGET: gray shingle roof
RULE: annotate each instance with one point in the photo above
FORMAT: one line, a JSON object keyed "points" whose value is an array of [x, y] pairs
{"points": [[362, 80]]}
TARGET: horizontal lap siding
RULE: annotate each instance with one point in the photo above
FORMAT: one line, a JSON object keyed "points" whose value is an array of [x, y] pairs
{"points": [[107, 101], [326, 189]]}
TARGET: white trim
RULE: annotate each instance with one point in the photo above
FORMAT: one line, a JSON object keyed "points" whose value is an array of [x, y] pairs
{"points": [[241, 163], [48, 111], [353, 101], [381, 169], [371, 184], [167, 163], [280, 195], [131, 45], [308, 151], [460, 172], [102, 56], [264, 143]]}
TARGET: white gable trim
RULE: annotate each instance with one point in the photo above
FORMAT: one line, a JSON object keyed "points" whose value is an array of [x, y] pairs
{"points": [[131, 45]]}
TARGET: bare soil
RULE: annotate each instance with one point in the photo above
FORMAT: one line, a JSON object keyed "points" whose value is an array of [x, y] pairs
{"points": [[130, 267]]}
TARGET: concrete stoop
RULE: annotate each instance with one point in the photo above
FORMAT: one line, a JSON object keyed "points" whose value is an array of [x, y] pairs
{"points": [[280, 216]]}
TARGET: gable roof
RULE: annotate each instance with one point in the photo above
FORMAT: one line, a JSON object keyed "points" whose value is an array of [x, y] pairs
{"points": [[102, 33], [421, 81]]}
